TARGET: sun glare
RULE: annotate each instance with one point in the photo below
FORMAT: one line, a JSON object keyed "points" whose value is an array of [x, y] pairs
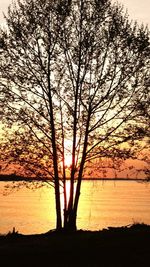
{"points": [[68, 153], [68, 156], [68, 160]]}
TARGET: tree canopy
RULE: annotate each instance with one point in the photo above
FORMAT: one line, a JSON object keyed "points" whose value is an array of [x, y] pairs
{"points": [[73, 77]]}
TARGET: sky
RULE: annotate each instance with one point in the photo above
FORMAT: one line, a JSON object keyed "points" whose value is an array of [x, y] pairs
{"points": [[138, 9]]}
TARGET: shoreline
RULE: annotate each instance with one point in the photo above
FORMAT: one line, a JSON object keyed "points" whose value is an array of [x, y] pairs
{"points": [[124, 246], [17, 178]]}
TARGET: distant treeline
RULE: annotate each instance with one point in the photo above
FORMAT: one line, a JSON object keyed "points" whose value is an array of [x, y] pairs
{"points": [[16, 178]]}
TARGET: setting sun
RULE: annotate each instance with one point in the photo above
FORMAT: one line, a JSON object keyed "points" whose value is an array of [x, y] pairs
{"points": [[68, 160], [68, 155]]}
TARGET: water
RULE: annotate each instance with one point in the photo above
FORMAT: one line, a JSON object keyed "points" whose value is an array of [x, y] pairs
{"points": [[102, 204]]}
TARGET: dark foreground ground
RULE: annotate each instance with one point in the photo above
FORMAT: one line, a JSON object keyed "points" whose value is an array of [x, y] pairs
{"points": [[115, 247]]}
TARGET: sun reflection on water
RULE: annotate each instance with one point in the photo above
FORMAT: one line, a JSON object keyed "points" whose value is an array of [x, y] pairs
{"points": [[101, 205]]}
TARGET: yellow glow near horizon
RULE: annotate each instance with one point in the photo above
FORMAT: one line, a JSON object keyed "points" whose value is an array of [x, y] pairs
{"points": [[68, 154]]}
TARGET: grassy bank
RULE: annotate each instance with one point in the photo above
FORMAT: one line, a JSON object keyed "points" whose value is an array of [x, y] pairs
{"points": [[118, 247]]}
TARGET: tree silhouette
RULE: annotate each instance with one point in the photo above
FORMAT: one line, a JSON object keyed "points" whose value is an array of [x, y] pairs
{"points": [[71, 75]]}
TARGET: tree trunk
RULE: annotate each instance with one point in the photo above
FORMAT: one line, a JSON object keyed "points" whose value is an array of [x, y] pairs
{"points": [[78, 188], [58, 209], [70, 222], [54, 148]]}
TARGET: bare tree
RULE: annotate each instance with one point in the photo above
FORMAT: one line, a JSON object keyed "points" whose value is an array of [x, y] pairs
{"points": [[71, 75]]}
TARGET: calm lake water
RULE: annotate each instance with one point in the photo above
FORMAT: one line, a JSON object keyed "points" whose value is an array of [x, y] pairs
{"points": [[102, 204]]}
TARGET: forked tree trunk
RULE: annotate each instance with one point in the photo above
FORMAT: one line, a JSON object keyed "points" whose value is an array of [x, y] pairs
{"points": [[73, 215], [71, 222]]}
